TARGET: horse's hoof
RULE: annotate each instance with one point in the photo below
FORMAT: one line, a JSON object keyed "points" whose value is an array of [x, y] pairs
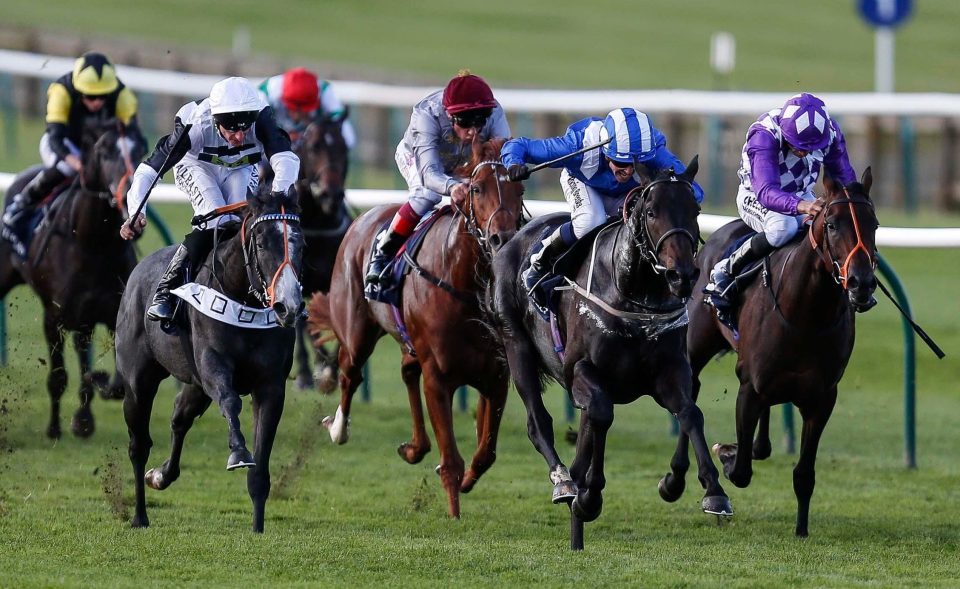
{"points": [[326, 380], [667, 493], [339, 427], [54, 432], [240, 459], [761, 450], [99, 380], [584, 514], [140, 522], [304, 381], [725, 452], [154, 479], [564, 492], [717, 505], [469, 482], [82, 427], [411, 454]]}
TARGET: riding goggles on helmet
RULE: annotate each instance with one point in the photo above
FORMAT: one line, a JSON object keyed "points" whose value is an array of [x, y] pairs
{"points": [[236, 121], [471, 118]]}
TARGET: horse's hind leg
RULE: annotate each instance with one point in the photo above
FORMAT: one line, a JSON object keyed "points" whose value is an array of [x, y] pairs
{"points": [[57, 377], [419, 445], [304, 374], [325, 368], [190, 404], [815, 419], [489, 413], [83, 425], [596, 417], [761, 443], [267, 409]]}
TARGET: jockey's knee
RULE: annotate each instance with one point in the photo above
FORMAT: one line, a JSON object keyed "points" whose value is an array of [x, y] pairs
{"points": [[585, 221], [422, 200], [780, 231]]}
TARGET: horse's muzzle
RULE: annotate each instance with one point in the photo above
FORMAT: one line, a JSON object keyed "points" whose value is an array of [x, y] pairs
{"points": [[860, 292], [681, 282], [287, 316], [499, 239]]}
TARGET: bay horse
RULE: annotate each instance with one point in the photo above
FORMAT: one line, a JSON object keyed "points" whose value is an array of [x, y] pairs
{"points": [[795, 333], [620, 336], [218, 361], [446, 340], [78, 266], [324, 218]]}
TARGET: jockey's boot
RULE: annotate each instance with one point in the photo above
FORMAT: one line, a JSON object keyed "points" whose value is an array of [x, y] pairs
{"points": [[388, 244], [722, 286], [25, 203], [386, 249], [541, 261], [162, 307]]}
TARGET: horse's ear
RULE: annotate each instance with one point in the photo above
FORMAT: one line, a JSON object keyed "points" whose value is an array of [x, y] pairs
{"points": [[692, 168], [643, 172], [867, 180], [830, 185], [292, 199]]}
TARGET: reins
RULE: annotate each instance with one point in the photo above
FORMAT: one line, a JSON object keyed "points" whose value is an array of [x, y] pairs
{"points": [[840, 272], [649, 250]]}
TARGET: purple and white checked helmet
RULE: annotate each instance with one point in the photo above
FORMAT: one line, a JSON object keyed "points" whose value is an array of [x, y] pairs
{"points": [[805, 123], [632, 132]]}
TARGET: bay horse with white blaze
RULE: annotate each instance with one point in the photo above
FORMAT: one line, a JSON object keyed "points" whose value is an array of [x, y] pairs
{"points": [[441, 310], [619, 337], [796, 333], [255, 274], [78, 266]]}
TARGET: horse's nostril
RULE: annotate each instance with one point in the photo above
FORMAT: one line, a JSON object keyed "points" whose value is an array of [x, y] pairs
{"points": [[495, 241], [672, 275], [280, 309]]}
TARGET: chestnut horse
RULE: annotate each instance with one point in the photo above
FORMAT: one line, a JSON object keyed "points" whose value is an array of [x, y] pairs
{"points": [[442, 315], [618, 326], [796, 333], [78, 266]]}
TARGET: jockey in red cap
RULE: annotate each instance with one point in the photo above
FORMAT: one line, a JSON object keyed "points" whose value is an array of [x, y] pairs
{"points": [[298, 98]]}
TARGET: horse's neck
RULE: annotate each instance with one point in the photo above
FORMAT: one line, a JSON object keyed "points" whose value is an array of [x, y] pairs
{"points": [[804, 288], [461, 256], [92, 218], [225, 270], [635, 279]]}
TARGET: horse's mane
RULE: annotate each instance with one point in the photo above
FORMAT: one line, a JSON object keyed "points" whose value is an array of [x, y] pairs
{"points": [[483, 152]]}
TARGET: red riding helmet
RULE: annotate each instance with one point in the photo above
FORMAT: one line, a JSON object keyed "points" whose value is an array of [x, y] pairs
{"points": [[300, 90], [467, 92]]}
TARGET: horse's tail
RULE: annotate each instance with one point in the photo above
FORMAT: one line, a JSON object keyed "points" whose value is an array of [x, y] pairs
{"points": [[318, 319]]}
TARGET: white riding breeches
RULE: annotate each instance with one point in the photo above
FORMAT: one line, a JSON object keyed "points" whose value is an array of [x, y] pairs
{"points": [[49, 158], [779, 228], [422, 200], [588, 208], [210, 187]]}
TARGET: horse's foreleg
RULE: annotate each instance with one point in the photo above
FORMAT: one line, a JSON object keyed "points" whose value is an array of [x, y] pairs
{"points": [[304, 374], [596, 417], [815, 419], [57, 377], [523, 362], [82, 424], [738, 466], [190, 404], [353, 355], [267, 410], [672, 485], [489, 413], [419, 444], [761, 443], [230, 406], [440, 408], [137, 407]]}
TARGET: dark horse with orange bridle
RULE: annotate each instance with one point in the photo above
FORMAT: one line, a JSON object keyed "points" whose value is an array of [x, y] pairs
{"points": [[796, 333], [236, 340], [617, 333], [78, 266], [442, 314]]}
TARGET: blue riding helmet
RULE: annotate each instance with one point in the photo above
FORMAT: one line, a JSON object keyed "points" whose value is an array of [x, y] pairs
{"points": [[805, 123], [632, 134]]}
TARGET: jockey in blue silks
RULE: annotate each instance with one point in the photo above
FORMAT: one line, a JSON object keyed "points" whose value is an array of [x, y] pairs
{"points": [[595, 182]]}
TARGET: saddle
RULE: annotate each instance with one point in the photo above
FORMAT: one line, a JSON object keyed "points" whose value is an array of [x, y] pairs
{"points": [[566, 265], [21, 237], [391, 282]]}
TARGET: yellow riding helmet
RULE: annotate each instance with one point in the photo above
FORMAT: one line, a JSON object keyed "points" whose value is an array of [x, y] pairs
{"points": [[94, 75]]}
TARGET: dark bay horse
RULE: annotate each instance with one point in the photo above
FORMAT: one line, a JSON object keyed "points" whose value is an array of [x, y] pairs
{"points": [[78, 266], [619, 323], [323, 171], [796, 333], [218, 360], [443, 317]]}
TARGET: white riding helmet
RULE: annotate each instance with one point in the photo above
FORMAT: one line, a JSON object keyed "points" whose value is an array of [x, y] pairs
{"points": [[235, 103]]}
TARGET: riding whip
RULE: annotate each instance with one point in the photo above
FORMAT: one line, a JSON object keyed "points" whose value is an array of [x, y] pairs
{"points": [[177, 145], [569, 155], [919, 330]]}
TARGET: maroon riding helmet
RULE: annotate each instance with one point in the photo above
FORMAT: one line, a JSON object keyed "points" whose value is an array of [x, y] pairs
{"points": [[467, 92]]}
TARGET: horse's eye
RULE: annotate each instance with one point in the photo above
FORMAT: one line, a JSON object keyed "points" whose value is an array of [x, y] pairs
{"points": [[650, 214], [831, 226], [474, 189]]}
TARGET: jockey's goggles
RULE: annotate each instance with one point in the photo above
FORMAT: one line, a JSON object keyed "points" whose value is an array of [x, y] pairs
{"points": [[471, 118], [617, 164], [236, 121], [94, 97]]}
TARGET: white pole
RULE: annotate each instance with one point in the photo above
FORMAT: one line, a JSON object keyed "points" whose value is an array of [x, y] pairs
{"points": [[883, 59]]}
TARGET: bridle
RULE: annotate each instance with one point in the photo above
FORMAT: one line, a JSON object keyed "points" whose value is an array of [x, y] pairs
{"points": [[255, 274], [840, 273], [472, 224], [648, 247]]}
